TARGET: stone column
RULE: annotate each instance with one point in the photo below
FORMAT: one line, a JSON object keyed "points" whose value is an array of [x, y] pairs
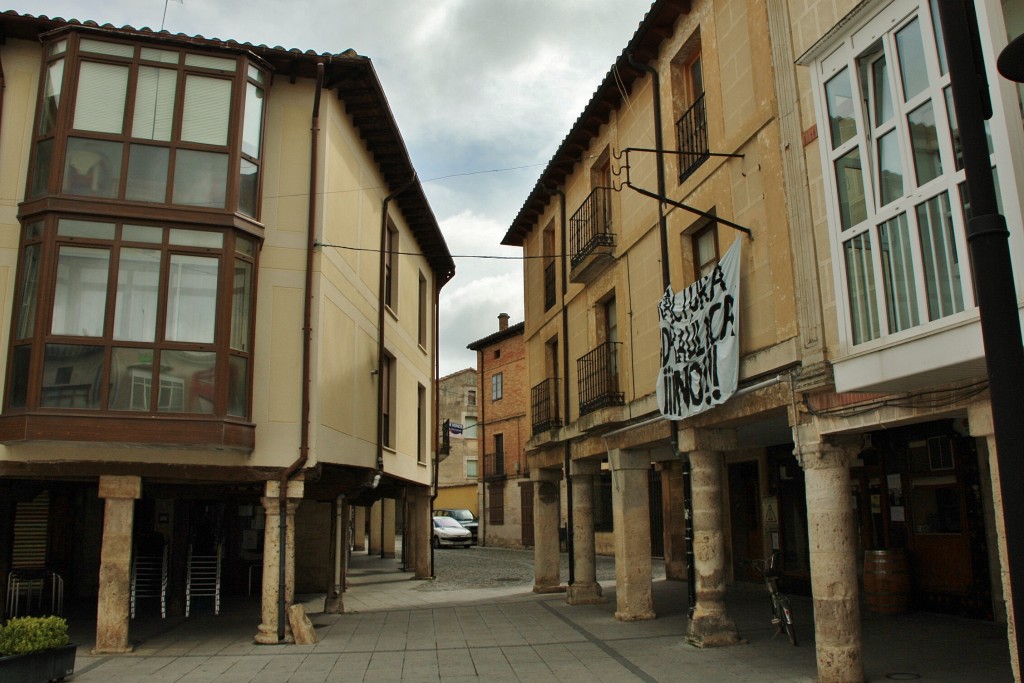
{"points": [[387, 535], [675, 520], [340, 514], [267, 633], [831, 534], [585, 590], [631, 517], [114, 602], [419, 531], [710, 626], [359, 530], [979, 416], [546, 561], [376, 529]]}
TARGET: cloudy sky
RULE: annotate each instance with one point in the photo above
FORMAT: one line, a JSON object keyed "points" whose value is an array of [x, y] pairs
{"points": [[475, 85]]}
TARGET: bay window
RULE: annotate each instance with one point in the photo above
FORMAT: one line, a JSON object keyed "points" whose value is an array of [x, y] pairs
{"points": [[893, 167]]}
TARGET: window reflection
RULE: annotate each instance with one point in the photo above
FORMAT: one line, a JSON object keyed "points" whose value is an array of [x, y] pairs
{"points": [[72, 376], [191, 299], [80, 296], [187, 382]]}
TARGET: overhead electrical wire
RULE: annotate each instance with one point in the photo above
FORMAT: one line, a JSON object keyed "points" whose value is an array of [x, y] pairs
{"points": [[425, 254]]}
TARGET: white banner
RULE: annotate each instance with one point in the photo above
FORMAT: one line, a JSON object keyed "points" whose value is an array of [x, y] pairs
{"points": [[700, 345]]}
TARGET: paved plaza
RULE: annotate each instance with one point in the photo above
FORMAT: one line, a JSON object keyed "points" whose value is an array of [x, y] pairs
{"points": [[480, 621]]}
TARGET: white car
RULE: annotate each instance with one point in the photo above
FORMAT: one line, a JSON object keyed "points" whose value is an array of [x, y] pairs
{"points": [[448, 532]]}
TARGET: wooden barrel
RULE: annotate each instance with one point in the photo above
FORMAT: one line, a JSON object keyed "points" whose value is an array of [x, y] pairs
{"points": [[886, 581]]}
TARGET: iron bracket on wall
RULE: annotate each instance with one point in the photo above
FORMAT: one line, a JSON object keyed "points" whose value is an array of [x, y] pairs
{"points": [[672, 202]]}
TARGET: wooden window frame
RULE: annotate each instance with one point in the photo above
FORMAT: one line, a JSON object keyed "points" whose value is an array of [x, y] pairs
{"points": [[698, 266]]}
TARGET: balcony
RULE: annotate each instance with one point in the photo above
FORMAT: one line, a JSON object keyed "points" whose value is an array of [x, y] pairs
{"points": [[544, 406], [692, 137], [591, 236], [549, 286], [599, 379], [494, 466]]}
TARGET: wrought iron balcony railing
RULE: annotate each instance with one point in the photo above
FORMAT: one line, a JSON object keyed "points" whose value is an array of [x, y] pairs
{"points": [[549, 286], [494, 466], [591, 226], [598, 374], [692, 137], [544, 406]]}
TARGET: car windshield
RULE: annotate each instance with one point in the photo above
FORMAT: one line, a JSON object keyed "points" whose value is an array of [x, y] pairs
{"points": [[462, 515], [446, 522]]}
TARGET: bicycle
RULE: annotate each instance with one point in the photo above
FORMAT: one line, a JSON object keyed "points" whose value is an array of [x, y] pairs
{"points": [[782, 614]]}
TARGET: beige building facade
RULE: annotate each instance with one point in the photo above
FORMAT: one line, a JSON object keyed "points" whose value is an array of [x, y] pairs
{"points": [[458, 470], [218, 339], [859, 433]]}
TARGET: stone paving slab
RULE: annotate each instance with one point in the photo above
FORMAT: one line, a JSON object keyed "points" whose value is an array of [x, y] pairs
{"points": [[395, 629]]}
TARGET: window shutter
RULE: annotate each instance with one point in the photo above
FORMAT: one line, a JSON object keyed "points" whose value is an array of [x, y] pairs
{"points": [[99, 105], [207, 108]]}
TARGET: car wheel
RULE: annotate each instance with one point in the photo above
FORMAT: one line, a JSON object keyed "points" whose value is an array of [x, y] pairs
{"points": [[436, 542]]}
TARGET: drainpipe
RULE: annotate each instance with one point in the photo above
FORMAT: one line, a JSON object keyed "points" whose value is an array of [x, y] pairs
{"points": [[380, 337], [307, 333], [437, 399], [666, 282], [567, 456], [481, 451]]}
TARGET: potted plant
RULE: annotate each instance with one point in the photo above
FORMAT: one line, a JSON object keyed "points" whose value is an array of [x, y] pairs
{"points": [[36, 650]]}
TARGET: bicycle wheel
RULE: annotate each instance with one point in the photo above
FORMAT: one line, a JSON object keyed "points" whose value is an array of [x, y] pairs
{"points": [[787, 620]]}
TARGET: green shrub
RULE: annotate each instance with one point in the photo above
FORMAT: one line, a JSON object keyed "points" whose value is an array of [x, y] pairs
{"points": [[32, 634]]}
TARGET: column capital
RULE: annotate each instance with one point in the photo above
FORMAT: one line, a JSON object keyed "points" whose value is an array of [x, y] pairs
{"points": [[545, 474], [126, 487], [622, 459], [979, 417], [585, 467], [296, 488], [272, 506], [695, 439], [829, 453]]}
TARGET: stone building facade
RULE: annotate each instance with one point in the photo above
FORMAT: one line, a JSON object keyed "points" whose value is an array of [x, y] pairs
{"points": [[458, 470], [860, 427], [218, 337]]}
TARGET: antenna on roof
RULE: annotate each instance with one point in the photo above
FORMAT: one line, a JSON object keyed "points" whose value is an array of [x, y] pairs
{"points": [[164, 17]]}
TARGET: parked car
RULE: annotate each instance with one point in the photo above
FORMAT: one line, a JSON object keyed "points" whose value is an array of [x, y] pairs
{"points": [[464, 517], [448, 532]]}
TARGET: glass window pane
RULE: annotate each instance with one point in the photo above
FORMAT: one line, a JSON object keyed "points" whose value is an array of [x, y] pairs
{"points": [[80, 296], [253, 123], [191, 299], [850, 188], [40, 181], [200, 178], [89, 229], [913, 68], [51, 96], [939, 38], [241, 305], [152, 54], [238, 386], [207, 106], [92, 168], [925, 140], [940, 259], [142, 233], [248, 187], [196, 238], [245, 246], [131, 379], [99, 105], [839, 93], [187, 382], [880, 90], [255, 74], [896, 249], [18, 382], [154, 103], [207, 62], [138, 285], [890, 168], [860, 283], [58, 48], [29, 292], [147, 173], [72, 376], [954, 130], [103, 48]]}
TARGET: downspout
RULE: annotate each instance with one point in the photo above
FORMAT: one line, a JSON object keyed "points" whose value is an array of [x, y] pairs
{"points": [[481, 451], [380, 337], [666, 283], [437, 402], [307, 334], [567, 456]]}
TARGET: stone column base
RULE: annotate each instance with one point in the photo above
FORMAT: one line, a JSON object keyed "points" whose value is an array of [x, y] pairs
{"points": [[112, 650], [713, 630], [585, 594], [333, 604], [645, 615], [387, 555], [548, 589], [268, 636]]}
